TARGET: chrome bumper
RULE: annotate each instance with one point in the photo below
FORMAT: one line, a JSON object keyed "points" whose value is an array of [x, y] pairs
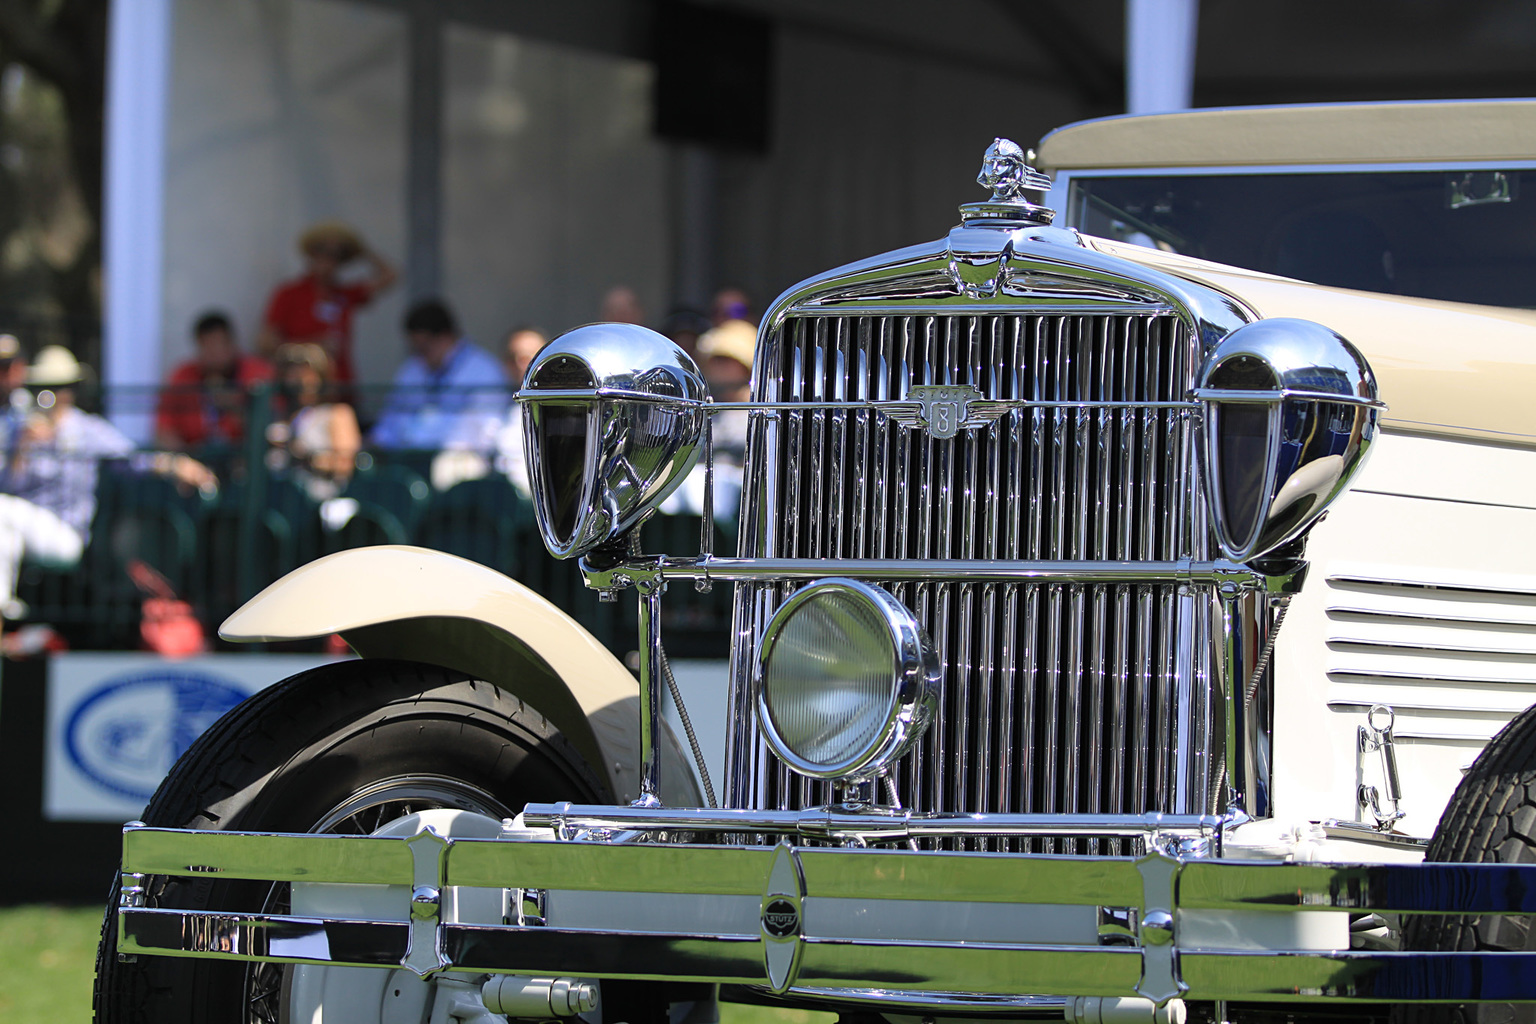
{"points": [[922, 929]]}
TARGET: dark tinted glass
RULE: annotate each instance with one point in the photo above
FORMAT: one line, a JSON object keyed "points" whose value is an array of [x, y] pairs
{"points": [[1467, 237], [562, 444], [1243, 438]]}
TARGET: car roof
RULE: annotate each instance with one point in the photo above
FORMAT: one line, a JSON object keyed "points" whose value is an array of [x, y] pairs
{"points": [[1431, 131]]}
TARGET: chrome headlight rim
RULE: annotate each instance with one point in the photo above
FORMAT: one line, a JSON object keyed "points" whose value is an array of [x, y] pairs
{"points": [[1307, 369], [915, 677], [641, 405]]}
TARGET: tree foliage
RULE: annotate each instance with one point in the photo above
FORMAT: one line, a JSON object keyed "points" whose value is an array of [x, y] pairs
{"points": [[52, 84]]}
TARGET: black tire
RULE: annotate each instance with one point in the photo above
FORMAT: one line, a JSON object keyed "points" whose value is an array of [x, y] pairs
{"points": [[1491, 818], [341, 748]]}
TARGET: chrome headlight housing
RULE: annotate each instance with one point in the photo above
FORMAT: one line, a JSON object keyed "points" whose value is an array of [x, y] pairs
{"points": [[845, 682], [1289, 411], [613, 420]]}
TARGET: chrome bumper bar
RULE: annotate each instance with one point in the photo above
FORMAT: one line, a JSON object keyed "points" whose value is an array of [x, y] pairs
{"points": [[794, 943]]}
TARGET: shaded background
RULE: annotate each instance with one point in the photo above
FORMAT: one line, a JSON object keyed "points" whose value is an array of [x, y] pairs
{"points": [[522, 158]]}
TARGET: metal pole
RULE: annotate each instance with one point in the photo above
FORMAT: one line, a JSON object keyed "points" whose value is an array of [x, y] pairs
{"points": [[138, 86], [1159, 54], [650, 694]]}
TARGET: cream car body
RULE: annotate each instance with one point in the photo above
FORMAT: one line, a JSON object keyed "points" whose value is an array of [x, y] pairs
{"points": [[1422, 586]]}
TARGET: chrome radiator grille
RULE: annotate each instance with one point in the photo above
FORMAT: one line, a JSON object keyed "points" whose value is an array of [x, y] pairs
{"points": [[1056, 698]]}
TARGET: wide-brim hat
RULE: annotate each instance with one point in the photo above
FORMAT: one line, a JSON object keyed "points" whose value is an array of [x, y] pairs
{"points": [[54, 367], [331, 234], [734, 339], [302, 353]]}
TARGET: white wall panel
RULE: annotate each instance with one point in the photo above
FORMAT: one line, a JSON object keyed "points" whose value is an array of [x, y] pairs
{"points": [[282, 113], [555, 190]]}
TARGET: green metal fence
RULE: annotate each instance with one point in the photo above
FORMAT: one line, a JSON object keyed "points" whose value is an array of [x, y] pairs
{"points": [[218, 549]]}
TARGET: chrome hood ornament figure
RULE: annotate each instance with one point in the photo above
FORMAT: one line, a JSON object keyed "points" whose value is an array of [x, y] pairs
{"points": [[1006, 171]]}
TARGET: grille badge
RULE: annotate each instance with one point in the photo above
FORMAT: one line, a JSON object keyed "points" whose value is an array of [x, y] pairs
{"points": [[943, 410]]}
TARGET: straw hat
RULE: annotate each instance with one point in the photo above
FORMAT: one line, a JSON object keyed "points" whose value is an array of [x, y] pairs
{"points": [[734, 339], [54, 367], [331, 234], [302, 353]]}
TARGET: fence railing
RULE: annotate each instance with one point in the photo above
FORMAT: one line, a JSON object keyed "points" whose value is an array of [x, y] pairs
{"points": [[217, 548]]}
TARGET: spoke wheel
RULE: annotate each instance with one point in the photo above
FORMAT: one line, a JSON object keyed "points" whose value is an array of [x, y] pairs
{"points": [[363, 813], [345, 749]]}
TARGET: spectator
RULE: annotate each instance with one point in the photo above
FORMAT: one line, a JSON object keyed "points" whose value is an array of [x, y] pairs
{"points": [[317, 306], [320, 437], [621, 306], [731, 304], [48, 482], [205, 399], [684, 326], [14, 400], [726, 353], [449, 392], [523, 343]]}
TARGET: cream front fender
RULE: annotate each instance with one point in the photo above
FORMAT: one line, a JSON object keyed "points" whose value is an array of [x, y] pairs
{"points": [[427, 606]]}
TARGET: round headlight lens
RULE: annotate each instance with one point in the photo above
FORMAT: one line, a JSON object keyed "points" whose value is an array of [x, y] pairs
{"points": [[846, 681]]}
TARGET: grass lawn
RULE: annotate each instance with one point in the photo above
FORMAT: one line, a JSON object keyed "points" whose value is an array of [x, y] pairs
{"points": [[48, 954], [47, 959]]}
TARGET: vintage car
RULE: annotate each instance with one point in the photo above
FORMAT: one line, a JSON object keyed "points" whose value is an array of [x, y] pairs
{"points": [[1053, 693]]}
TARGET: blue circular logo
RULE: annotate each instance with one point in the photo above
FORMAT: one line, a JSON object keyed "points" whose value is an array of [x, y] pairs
{"points": [[129, 733]]}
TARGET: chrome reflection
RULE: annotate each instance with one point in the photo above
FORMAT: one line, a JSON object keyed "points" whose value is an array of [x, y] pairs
{"points": [[614, 419], [1289, 411]]}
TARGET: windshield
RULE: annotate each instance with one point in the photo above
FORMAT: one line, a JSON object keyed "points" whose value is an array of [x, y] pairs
{"points": [[1457, 235]]}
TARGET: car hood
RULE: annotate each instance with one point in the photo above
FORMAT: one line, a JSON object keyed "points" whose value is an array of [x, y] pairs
{"points": [[1443, 368]]}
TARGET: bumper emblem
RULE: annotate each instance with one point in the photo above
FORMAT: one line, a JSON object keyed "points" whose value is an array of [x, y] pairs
{"points": [[780, 918]]}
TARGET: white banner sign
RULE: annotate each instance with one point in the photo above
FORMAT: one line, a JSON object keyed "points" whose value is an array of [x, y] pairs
{"points": [[117, 722]]}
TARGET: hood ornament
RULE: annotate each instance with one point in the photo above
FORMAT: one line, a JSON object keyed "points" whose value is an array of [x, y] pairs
{"points": [[1006, 171]]}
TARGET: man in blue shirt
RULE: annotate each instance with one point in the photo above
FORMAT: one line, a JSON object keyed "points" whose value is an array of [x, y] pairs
{"points": [[449, 393]]}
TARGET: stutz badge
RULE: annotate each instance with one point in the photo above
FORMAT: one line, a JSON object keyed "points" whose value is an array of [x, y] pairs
{"points": [[943, 410], [780, 918]]}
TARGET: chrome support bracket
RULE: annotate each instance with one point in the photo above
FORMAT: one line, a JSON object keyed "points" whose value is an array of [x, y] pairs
{"points": [[429, 871], [1160, 979]]}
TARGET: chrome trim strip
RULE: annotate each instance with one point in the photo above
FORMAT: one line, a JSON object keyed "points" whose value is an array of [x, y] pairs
{"points": [[967, 1003], [873, 824], [742, 570], [1368, 675], [1459, 588], [728, 959], [1360, 832], [265, 938], [1454, 620], [943, 967], [1461, 710], [1297, 977], [1271, 397]]}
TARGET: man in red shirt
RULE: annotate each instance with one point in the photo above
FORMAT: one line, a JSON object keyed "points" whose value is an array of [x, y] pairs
{"points": [[318, 305], [205, 398]]}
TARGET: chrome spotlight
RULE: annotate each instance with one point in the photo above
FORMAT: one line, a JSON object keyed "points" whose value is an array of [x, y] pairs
{"points": [[846, 682], [1289, 411], [613, 417]]}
